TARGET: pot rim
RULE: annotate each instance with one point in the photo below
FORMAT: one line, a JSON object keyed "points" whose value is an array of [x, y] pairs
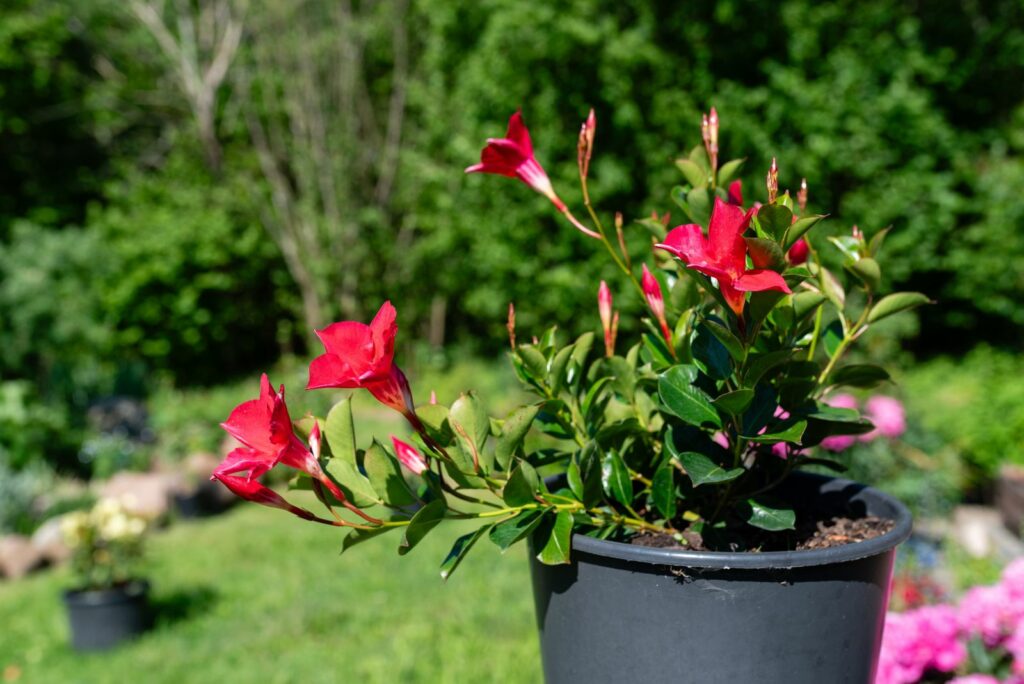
{"points": [[883, 505], [124, 593]]}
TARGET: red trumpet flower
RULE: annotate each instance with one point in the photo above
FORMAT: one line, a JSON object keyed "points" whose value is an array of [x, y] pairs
{"points": [[723, 255], [512, 156], [362, 356]]}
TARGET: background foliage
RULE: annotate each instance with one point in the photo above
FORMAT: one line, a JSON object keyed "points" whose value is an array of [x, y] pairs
{"points": [[145, 240]]}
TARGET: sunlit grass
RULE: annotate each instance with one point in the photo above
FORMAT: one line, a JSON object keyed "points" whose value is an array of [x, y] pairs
{"points": [[259, 596]]}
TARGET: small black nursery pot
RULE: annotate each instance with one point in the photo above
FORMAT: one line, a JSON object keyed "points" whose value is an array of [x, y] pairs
{"points": [[625, 613], [102, 618]]}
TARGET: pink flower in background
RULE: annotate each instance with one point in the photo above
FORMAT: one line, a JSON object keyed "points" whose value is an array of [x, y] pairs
{"points": [[409, 456], [1015, 646], [975, 679], [839, 443], [888, 415], [736, 193], [919, 640], [984, 613]]}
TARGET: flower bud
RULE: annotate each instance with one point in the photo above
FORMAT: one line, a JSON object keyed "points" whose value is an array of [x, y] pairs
{"points": [[585, 146], [409, 456], [604, 308], [511, 325], [652, 293], [801, 196], [797, 254], [773, 181], [709, 132]]}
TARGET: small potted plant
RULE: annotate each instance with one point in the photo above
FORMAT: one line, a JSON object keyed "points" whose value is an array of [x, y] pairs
{"points": [[672, 534], [110, 604]]}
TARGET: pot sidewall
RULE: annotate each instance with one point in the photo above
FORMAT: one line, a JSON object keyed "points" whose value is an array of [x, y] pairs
{"points": [[101, 619], [604, 618]]}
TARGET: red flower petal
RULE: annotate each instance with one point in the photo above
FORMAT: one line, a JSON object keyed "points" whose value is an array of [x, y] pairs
{"points": [[760, 280], [687, 243], [518, 134]]}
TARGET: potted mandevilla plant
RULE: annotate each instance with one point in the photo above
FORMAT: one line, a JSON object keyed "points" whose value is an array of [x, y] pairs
{"points": [[675, 537], [109, 604]]}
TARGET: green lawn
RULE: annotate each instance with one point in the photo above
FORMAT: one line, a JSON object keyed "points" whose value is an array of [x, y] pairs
{"points": [[259, 596]]}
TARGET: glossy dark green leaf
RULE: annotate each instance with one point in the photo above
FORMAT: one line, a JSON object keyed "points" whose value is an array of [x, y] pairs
{"points": [[385, 476], [775, 219], [663, 491], [798, 229], [760, 364], [702, 470], [559, 365], [761, 410], [710, 355], [590, 473], [522, 486], [459, 550], [806, 302], [896, 303], [863, 375], [556, 550], [513, 432], [340, 431], [615, 478], [832, 337], [770, 516], [574, 479], [425, 520], [623, 377], [508, 532], [789, 433], [734, 403], [684, 400], [728, 340], [534, 361]]}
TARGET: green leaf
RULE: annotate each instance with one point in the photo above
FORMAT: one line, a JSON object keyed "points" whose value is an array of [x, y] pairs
{"points": [[678, 195], [590, 473], [806, 302], [833, 289], [468, 411], [695, 175], [728, 171], [876, 241], [663, 491], [577, 361], [734, 403], [425, 520], [358, 536], [556, 550], [699, 201], [575, 479], [761, 410], [702, 470], [513, 432], [766, 254], [762, 363], [508, 532], [615, 478], [522, 485], [684, 400], [775, 219], [385, 476], [792, 433], [556, 376], [832, 338], [769, 517], [895, 303], [341, 432], [867, 270], [534, 362], [353, 484], [728, 340], [709, 354], [859, 375], [459, 550], [797, 230], [623, 378]]}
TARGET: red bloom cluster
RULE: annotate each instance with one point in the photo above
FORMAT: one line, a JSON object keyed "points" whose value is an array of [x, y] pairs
{"points": [[722, 254]]}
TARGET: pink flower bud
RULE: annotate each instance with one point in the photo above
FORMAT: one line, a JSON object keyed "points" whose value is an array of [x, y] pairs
{"points": [[797, 254], [510, 325], [315, 440], [409, 456], [604, 308], [652, 293], [801, 197], [585, 147]]}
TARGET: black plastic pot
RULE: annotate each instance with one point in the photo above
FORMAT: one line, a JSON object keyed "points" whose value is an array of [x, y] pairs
{"points": [[624, 613], [101, 619]]}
